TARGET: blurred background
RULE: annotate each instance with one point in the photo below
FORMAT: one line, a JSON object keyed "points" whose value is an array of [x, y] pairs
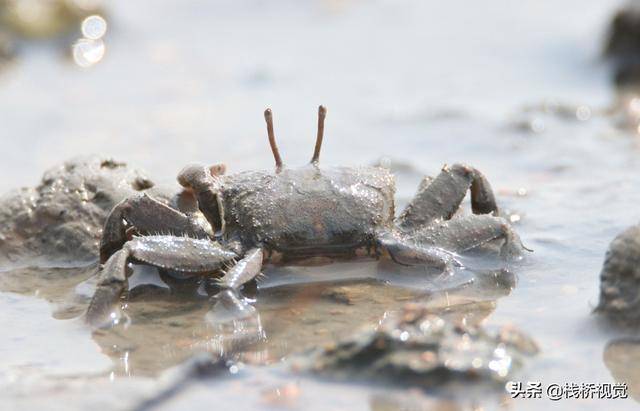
{"points": [[518, 89], [174, 82]]}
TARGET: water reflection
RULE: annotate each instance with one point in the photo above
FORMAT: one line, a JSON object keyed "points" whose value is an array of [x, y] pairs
{"points": [[201, 381], [55, 285], [169, 324], [94, 27], [90, 49], [417, 401], [87, 52], [167, 329]]}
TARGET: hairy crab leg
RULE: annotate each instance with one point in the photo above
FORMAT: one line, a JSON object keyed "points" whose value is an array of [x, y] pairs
{"points": [[441, 197], [181, 254], [465, 233], [243, 271], [148, 216]]}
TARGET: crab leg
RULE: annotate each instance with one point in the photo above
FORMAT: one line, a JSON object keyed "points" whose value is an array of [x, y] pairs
{"points": [[243, 271], [466, 233], [111, 284], [441, 197], [229, 307], [148, 216], [181, 254]]}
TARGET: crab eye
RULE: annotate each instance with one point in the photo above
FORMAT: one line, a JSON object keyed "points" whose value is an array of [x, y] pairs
{"points": [[217, 170]]}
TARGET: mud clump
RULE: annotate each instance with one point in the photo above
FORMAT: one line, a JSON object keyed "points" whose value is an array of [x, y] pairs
{"points": [[416, 347], [60, 221], [620, 279]]}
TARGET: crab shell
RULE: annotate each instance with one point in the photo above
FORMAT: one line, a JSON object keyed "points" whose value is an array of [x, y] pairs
{"points": [[307, 212]]}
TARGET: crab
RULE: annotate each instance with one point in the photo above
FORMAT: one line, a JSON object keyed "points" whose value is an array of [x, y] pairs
{"points": [[291, 216]]}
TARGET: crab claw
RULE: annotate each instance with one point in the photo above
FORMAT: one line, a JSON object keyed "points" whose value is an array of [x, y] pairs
{"points": [[201, 180]]}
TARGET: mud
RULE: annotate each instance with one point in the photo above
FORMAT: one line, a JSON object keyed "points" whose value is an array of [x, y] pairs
{"points": [[416, 347], [620, 279], [420, 82], [59, 222]]}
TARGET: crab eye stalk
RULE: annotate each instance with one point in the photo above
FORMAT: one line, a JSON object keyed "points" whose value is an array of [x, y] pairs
{"points": [[268, 116], [322, 113]]}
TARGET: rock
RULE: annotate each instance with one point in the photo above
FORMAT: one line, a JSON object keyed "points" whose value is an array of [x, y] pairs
{"points": [[623, 45], [59, 222], [621, 357], [419, 348], [620, 279]]}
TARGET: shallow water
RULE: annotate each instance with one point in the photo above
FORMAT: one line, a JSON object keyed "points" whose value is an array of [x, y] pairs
{"points": [[424, 83]]}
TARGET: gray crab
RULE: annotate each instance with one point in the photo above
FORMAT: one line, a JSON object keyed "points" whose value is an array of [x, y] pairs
{"points": [[309, 214]]}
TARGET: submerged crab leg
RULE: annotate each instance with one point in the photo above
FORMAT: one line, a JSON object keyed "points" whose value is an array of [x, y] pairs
{"points": [[148, 216], [466, 233], [182, 254], [441, 197]]}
